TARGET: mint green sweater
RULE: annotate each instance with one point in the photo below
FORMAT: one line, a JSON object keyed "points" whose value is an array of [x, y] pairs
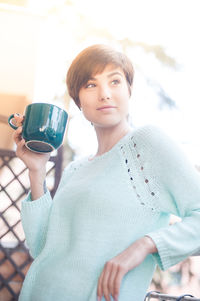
{"points": [[104, 205]]}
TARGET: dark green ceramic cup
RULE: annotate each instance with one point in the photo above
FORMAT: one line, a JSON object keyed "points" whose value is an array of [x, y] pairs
{"points": [[43, 127]]}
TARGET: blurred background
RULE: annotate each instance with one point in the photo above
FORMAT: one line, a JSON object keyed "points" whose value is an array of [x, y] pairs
{"points": [[38, 41]]}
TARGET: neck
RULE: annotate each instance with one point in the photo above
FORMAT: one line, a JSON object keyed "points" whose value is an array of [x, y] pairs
{"points": [[108, 137]]}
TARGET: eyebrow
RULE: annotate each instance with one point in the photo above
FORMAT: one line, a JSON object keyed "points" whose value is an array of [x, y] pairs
{"points": [[109, 75]]}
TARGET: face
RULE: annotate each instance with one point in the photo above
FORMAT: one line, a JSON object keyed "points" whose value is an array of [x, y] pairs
{"points": [[105, 98]]}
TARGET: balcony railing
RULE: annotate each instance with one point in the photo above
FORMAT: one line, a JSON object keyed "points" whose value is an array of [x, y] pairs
{"points": [[14, 185], [164, 297]]}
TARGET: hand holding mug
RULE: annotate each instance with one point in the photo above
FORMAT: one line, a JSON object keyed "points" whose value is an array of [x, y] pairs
{"points": [[35, 162], [43, 127], [38, 133]]}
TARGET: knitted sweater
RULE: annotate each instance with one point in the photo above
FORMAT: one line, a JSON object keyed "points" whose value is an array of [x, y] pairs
{"points": [[104, 205]]}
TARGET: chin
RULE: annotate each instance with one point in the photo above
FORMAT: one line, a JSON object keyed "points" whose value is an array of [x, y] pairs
{"points": [[107, 124]]}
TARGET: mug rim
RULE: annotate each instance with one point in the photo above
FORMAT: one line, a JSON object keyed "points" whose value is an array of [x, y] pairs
{"points": [[34, 140]]}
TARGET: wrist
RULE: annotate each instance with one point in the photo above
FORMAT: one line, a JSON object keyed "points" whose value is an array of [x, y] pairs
{"points": [[40, 173], [37, 183], [149, 245], [38, 176]]}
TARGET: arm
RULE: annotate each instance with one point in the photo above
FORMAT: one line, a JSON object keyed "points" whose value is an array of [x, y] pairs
{"points": [[37, 180], [181, 184], [35, 214], [36, 208], [115, 269], [35, 217]]}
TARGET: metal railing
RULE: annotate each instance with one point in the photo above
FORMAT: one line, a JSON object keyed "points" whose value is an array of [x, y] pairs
{"points": [[14, 185], [164, 297]]}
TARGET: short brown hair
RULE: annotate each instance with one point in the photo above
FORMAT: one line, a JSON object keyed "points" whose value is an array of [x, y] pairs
{"points": [[91, 61]]}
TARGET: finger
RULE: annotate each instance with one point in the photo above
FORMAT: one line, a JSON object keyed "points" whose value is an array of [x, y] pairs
{"points": [[111, 281], [19, 119], [19, 130], [105, 281], [20, 148], [17, 135], [18, 116], [21, 144], [117, 283], [99, 287]]}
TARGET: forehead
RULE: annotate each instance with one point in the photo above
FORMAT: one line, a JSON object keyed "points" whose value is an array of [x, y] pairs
{"points": [[107, 70]]}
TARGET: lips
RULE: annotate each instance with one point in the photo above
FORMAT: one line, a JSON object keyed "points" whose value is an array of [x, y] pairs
{"points": [[106, 107]]}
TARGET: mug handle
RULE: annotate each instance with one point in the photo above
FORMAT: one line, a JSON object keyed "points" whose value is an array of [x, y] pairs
{"points": [[10, 122]]}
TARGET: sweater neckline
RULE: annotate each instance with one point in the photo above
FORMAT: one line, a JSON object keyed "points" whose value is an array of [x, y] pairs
{"points": [[97, 158]]}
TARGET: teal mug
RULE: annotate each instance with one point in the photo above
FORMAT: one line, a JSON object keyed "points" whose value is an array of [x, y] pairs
{"points": [[43, 127]]}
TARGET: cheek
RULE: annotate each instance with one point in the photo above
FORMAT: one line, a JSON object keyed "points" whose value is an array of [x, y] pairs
{"points": [[86, 112], [81, 97], [85, 108], [85, 104], [124, 99], [86, 99]]}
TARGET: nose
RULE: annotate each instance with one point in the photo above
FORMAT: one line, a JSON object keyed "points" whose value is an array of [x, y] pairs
{"points": [[104, 93]]}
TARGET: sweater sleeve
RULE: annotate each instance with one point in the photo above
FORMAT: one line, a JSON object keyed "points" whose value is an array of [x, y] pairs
{"points": [[35, 217], [181, 184]]}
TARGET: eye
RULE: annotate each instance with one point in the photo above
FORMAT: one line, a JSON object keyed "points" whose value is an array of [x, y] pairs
{"points": [[115, 81], [90, 85]]}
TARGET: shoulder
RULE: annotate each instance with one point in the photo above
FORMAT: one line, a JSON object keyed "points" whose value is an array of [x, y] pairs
{"points": [[74, 164], [158, 138], [154, 143], [159, 147], [70, 169], [148, 136], [150, 132]]}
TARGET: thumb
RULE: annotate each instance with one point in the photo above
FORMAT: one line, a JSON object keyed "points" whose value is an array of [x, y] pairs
{"points": [[22, 142], [20, 147]]}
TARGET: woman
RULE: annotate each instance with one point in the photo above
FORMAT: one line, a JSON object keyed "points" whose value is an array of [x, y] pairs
{"points": [[108, 225]]}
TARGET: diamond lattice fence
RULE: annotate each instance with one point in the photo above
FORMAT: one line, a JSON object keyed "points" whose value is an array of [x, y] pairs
{"points": [[14, 185]]}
